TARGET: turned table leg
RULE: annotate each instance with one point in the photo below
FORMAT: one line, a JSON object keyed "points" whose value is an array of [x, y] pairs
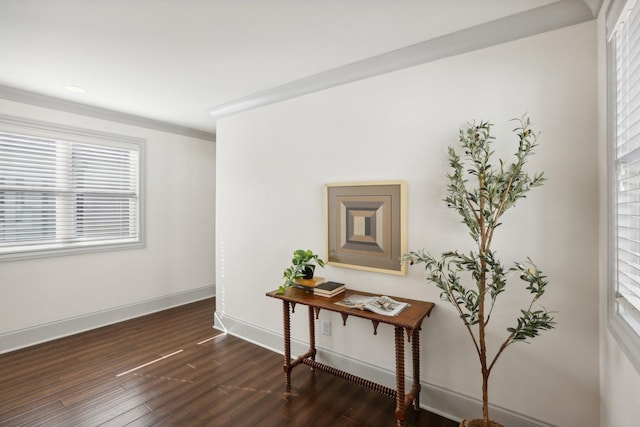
{"points": [[415, 347], [401, 406], [312, 334], [287, 344]]}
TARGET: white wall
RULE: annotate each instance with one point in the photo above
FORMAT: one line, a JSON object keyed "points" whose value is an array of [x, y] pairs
{"points": [[178, 258], [619, 380], [272, 164]]}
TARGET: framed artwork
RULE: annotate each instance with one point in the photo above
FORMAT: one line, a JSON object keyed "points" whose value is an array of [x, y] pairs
{"points": [[365, 226]]}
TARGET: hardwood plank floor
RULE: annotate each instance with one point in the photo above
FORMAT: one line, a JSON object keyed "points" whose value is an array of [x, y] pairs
{"points": [[199, 377]]}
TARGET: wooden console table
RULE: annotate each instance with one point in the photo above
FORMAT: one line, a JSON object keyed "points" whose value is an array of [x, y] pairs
{"points": [[409, 321]]}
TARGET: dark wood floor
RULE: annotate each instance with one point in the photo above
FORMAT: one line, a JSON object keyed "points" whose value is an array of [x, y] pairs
{"points": [[209, 379]]}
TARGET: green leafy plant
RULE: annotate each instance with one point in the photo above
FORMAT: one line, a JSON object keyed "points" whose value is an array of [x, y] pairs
{"points": [[301, 260], [481, 192]]}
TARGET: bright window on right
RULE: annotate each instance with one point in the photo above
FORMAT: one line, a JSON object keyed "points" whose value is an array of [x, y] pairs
{"points": [[624, 181]]}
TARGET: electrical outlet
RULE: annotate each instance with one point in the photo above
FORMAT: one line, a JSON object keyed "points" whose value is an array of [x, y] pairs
{"points": [[326, 327]]}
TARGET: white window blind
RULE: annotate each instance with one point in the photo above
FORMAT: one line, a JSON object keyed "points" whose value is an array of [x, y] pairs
{"points": [[626, 39], [57, 194]]}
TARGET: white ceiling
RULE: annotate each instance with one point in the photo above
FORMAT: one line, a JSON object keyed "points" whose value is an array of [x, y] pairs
{"points": [[173, 60]]}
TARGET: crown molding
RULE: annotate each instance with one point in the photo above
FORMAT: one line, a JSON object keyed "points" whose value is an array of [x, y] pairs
{"points": [[535, 21], [40, 100], [594, 5]]}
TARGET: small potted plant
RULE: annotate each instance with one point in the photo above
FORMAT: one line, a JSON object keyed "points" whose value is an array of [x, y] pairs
{"points": [[303, 265], [481, 192]]}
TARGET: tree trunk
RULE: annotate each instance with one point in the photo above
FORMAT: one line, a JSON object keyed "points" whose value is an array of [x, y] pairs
{"points": [[485, 376]]}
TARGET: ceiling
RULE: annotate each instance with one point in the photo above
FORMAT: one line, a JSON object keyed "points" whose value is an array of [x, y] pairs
{"points": [[173, 61]]}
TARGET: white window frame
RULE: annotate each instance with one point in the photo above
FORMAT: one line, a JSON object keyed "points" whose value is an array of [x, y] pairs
{"points": [[40, 129], [623, 318]]}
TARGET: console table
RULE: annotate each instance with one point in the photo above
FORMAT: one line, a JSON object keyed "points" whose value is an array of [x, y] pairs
{"points": [[408, 322]]}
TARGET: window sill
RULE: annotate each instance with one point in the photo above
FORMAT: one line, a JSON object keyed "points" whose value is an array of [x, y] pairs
{"points": [[628, 339], [50, 252]]}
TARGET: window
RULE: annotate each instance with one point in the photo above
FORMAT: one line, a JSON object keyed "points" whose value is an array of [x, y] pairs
{"points": [[64, 190], [624, 165]]}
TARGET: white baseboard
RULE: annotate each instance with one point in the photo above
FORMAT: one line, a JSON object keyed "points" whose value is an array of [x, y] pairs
{"points": [[434, 398], [46, 332]]}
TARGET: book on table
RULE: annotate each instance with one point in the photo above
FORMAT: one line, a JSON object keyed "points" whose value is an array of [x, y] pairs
{"points": [[376, 304], [329, 289], [309, 284]]}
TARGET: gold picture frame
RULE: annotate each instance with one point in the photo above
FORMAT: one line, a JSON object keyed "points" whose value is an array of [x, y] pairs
{"points": [[366, 226]]}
